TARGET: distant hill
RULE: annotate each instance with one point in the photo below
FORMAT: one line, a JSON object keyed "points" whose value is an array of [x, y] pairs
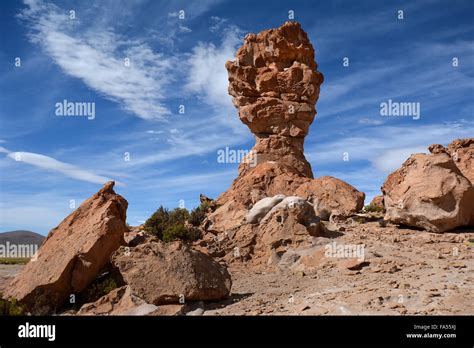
{"points": [[21, 237]]}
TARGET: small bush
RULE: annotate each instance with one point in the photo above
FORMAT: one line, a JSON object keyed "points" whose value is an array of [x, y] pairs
{"points": [[175, 232], [373, 209], [171, 225], [99, 288], [178, 216], [158, 222], [11, 307], [198, 214], [14, 260]]}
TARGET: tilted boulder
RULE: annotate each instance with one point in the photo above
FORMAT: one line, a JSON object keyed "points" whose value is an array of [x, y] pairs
{"points": [[429, 192], [73, 253], [274, 84], [161, 273]]}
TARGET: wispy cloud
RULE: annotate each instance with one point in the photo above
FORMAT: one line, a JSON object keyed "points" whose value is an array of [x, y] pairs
{"points": [[51, 164], [98, 58], [387, 147], [207, 73]]}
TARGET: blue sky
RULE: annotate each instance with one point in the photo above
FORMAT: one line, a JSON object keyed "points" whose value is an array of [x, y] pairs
{"points": [[177, 62]]}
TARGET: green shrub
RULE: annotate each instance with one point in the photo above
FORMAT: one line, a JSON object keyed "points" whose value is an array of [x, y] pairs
{"points": [[178, 216], [158, 222], [198, 214], [170, 225], [373, 209], [11, 307], [175, 232], [14, 260], [99, 288]]}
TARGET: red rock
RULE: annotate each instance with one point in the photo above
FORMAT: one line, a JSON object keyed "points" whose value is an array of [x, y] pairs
{"points": [[162, 273], [377, 201], [331, 195], [429, 192], [117, 302], [73, 253], [462, 153], [274, 83]]}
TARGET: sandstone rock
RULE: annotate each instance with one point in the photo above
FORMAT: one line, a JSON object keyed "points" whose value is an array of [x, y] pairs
{"points": [[135, 236], [330, 195], [73, 253], [290, 224], [462, 153], [119, 301], [210, 203], [377, 202], [161, 273], [274, 84], [293, 202], [429, 192], [274, 81], [169, 309], [352, 264], [262, 207]]}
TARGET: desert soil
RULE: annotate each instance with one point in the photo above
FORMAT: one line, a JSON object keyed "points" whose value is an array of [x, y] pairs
{"points": [[406, 272]]}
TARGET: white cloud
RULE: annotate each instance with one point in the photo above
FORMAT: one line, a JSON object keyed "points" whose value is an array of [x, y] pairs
{"points": [[217, 23], [191, 182], [51, 164], [184, 29], [371, 122], [387, 147], [97, 57], [207, 73], [391, 160]]}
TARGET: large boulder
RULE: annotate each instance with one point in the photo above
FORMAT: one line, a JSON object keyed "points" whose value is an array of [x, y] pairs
{"points": [[429, 192], [161, 273], [73, 253], [330, 195]]}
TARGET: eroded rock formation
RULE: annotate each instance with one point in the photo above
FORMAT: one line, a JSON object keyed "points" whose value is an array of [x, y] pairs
{"points": [[274, 84]]}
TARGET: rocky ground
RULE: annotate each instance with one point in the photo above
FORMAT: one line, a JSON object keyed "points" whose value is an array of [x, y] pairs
{"points": [[405, 271]]}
